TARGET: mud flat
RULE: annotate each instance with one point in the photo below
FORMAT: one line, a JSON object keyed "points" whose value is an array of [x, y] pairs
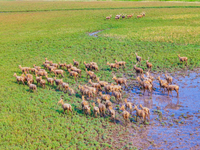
{"points": [[175, 122]]}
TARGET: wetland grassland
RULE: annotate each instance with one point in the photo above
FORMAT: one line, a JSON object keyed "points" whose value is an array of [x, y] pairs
{"points": [[32, 31]]}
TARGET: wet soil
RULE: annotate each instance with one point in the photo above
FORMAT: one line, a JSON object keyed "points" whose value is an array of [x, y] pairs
{"points": [[174, 121]]}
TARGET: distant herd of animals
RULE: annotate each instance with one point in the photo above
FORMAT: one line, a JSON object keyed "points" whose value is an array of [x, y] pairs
{"points": [[99, 91], [125, 16]]}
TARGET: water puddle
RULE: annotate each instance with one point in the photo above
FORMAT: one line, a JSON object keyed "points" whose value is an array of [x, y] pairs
{"points": [[174, 121], [94, 34]]}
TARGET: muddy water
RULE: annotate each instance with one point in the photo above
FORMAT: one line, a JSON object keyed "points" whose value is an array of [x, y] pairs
{"points": [[175, 122]]}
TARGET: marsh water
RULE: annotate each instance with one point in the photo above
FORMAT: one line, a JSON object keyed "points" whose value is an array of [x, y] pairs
{"points": [[174, 122], [94, 33]]}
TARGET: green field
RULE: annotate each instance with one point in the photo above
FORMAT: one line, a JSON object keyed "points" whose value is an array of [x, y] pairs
{"points": [[31, 31]]}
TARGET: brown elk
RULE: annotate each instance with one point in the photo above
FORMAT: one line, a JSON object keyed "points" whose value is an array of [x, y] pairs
{"points": [[102, 83], [171, 88], [163, 83], [102, 108], [49, 80], [138, 58], [129, 16], [112, 113], [183, 59], [140, 113], [120, 63], [57, 72], [65, 106], [104, 96], [138, 70], [42, 82], [147, 86], [19, 78], [149, 65], [95, 109], [125, 114], [108, 17], [32, 87], [95, 85], [146, 110], [58, 82], [120, 81], [113, 65], [140, 16], [168, 78], [61, 65], [23, 69], [128, 105], [76, 63], [73, 74]]}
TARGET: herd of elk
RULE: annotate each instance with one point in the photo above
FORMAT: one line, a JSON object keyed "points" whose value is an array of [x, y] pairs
{"points": [[125, 16], [146, 83]]}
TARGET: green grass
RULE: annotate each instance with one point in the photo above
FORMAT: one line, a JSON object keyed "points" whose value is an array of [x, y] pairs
{"points": [[35, 121]]}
